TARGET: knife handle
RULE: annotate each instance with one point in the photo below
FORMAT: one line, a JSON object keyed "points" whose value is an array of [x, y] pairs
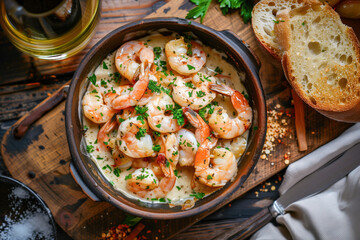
{"points": [[248, 227]]}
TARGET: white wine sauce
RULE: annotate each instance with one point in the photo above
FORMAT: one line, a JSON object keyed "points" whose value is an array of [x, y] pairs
{"points": [[182, 193]]}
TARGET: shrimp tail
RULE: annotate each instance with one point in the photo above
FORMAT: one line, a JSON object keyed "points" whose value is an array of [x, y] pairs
{"points": [[223, 89], [237, 99], [202, 129], [102, 136]]}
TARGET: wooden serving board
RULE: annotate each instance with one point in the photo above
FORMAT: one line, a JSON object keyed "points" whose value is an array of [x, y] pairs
{"points": [[41, 158]]}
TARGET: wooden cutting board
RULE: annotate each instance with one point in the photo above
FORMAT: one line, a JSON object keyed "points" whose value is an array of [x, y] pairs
{"points": [[41, 158]]}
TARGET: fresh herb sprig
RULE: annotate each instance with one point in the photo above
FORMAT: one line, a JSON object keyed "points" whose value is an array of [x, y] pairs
{"points": [[202, 6]]}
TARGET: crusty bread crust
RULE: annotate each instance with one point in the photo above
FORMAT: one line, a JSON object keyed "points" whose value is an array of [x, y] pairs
{"points": [[334, 88], [263, 17]]}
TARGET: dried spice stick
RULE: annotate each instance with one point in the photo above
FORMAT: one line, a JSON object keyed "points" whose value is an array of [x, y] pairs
{"points": [[299, 121]]}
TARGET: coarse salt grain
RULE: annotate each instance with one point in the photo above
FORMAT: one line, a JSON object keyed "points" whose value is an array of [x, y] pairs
{"points": [[34, 223], [21, 193]]}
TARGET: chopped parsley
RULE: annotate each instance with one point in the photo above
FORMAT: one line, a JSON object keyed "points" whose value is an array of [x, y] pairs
{"points": [[156, 133], [89, 148], [158, 125], [200, 94], [278, 21], [142, 111], [141, 177], [157, 52], [117, 172], [107, 166], [176, 173], [140, 133], [105, 66], [189, 49], [191, 93], [189, 85], [190, 67], [198, 195], [156, 148], [209, 177], [154, 87], [128, 177], [218, 70], [92, 79], [178, 188]]}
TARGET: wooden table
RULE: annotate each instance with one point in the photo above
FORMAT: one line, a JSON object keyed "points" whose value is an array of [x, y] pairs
{"points": [[18, 67]]}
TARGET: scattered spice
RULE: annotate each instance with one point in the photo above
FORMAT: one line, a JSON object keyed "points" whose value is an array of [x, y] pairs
{"points": [[277, 129], [124, 232]]}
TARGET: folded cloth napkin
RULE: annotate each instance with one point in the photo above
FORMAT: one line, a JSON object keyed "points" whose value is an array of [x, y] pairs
{"points": [[331, 214]]}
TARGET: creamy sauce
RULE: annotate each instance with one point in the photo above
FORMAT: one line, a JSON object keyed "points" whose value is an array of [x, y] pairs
{"points": [[182, 193]]}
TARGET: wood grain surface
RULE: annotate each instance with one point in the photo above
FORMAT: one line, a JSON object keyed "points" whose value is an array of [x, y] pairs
{"points": [[41, 158]]}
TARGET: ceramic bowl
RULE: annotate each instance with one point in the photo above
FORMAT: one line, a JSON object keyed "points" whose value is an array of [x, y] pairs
{"points": [[85, 170]]}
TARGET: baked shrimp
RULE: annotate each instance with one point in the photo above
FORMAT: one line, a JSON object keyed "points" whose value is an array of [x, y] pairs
{"points": [[185, 58], [155, 119]]}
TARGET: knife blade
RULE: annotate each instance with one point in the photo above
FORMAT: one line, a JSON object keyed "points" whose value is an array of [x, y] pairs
{"points": [[310, 185]]}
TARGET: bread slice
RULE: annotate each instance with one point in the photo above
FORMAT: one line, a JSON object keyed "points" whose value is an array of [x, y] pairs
{"points": [[264, 18], [321, 60]]}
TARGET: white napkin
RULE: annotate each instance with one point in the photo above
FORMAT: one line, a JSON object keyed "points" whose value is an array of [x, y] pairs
{"points": [[331, 214]]}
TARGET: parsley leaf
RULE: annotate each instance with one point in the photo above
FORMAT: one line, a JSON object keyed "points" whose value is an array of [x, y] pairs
{"points": [[156, 148], [190, 67], [92, 79], [131, 220], [117, 172], [245, 7], [178, 115], [200, 10], [198, 195], [157, 52], [154, 87], [140, 133], [89, 148], [200, 94], [142, 111], [105, 66]]}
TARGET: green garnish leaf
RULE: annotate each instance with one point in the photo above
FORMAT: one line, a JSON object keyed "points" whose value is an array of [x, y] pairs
{"points": [[198, 195], [117, 172], [218, 70], [105, 66], [92, 79], [200, 10], [131, 220], [89, 148], [190, 67], [128, 177], [156, 148], [200, 93], [157, 52], [189, 85], [154, 87], [140, 133]]}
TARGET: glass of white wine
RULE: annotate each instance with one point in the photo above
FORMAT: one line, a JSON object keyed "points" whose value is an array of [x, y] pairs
{"points": [[49, 29]]}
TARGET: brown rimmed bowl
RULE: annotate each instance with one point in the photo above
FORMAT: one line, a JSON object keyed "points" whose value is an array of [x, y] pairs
{"points": [[85, 171]]}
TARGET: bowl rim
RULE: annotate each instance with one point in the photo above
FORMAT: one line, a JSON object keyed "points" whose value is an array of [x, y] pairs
{"points": [[251, 68]]}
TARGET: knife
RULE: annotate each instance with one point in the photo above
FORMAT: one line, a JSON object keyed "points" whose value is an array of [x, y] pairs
{"points": [[315, 182]]}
